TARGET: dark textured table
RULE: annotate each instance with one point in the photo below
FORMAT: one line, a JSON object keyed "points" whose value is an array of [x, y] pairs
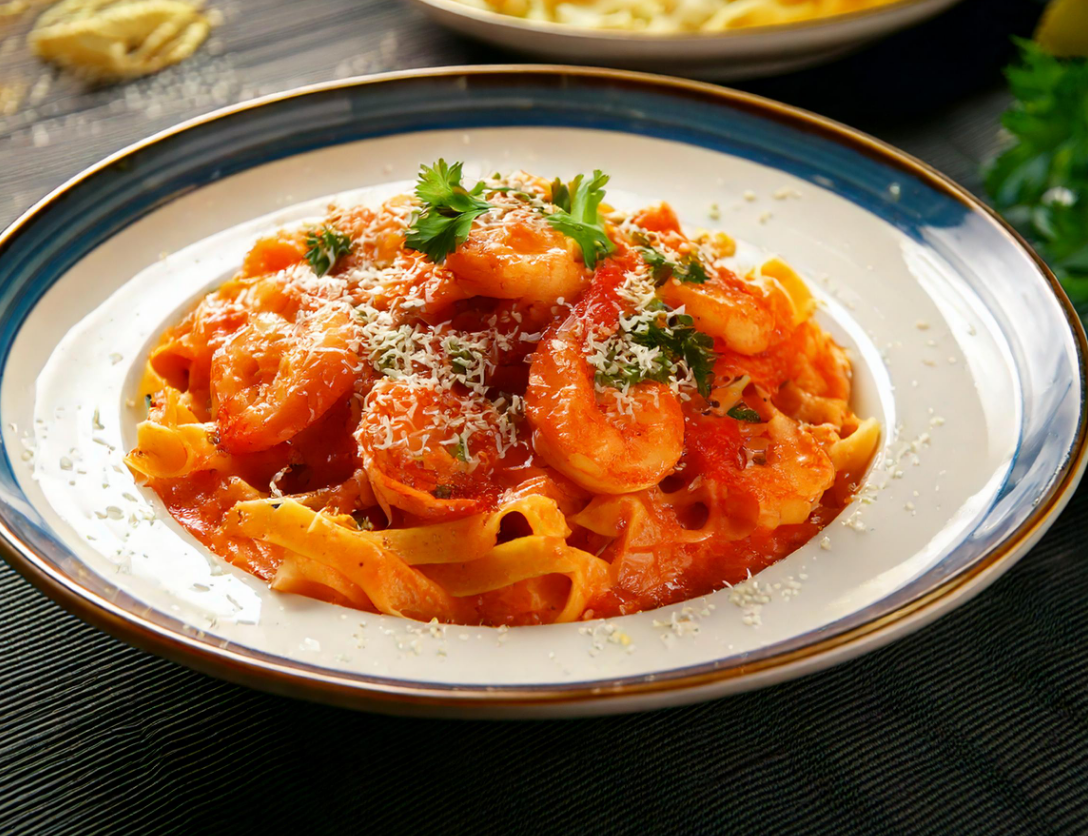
{"points": [[978, 724]]}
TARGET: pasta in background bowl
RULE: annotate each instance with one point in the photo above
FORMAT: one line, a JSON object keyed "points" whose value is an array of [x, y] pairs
{"points": [[669, 16], [962, 354], [718, 39]]}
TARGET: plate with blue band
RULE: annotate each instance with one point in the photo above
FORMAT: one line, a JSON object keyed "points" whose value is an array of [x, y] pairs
{"points": [[963, 345]]}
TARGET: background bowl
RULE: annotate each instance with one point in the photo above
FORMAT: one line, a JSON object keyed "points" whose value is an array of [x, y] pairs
{"points": [[725, 56]]}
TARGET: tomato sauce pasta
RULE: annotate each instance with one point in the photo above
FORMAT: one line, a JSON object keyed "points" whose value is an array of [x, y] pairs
{"points": [[504, 404]]}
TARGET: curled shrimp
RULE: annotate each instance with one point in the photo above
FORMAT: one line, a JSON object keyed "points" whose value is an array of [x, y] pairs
{"points": [[280, 372], [589, 439], [748, 317], [787, 470], [781, 464], [521, 258], [821, 366], [428, 451]]}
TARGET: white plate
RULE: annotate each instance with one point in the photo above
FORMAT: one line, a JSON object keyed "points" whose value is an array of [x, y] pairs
{"points": [[962, 349]]}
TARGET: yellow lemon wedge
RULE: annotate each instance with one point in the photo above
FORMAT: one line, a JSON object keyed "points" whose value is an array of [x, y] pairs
{"points": [[1063, 29]]}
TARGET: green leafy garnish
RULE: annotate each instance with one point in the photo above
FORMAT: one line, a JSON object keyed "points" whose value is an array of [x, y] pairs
{"points": [[696, 348], [578, 215], [743, 412], [460, 357], [688, 269], [442, 492], [326, 247], [679, 343], [662, 267], [460, 450], [448, 211], [147, 402], [1041, 182]]}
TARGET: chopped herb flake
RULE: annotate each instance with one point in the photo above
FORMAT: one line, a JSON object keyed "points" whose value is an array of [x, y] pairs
{"points": [[688, 269], [743, 412], [461, 359], [326, 248], [679, 343]]}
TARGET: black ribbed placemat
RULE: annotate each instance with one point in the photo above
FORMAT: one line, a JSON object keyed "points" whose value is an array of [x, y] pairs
{"points": [[978, 724]]}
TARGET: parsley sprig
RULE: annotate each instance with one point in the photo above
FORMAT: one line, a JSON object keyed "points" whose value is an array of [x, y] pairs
{"points": [[742, 412], [1040, 183], [578, 216], [688, 269], [680, 343], [461, 358], [448, 211], [326, 248]]}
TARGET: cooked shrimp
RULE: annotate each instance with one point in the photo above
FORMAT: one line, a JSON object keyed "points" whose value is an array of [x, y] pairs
{"points": [[788, 470], [378, 234], [748, 317], [428, 451], [521, 258], [811, 409], [777, 462], [380, 272], [280, 372], [588, 438], [821, 366], [274, 253]]}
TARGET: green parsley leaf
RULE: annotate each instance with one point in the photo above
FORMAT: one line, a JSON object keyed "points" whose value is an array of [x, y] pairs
{"points": [[461, 359], [442, 492], [688, 269], [743, 412], [326, 247], [1040, 183], [460, 450], [698, 351], [662, 267], [448, 211], [691, 270], [679, 343], [578, 217]]}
